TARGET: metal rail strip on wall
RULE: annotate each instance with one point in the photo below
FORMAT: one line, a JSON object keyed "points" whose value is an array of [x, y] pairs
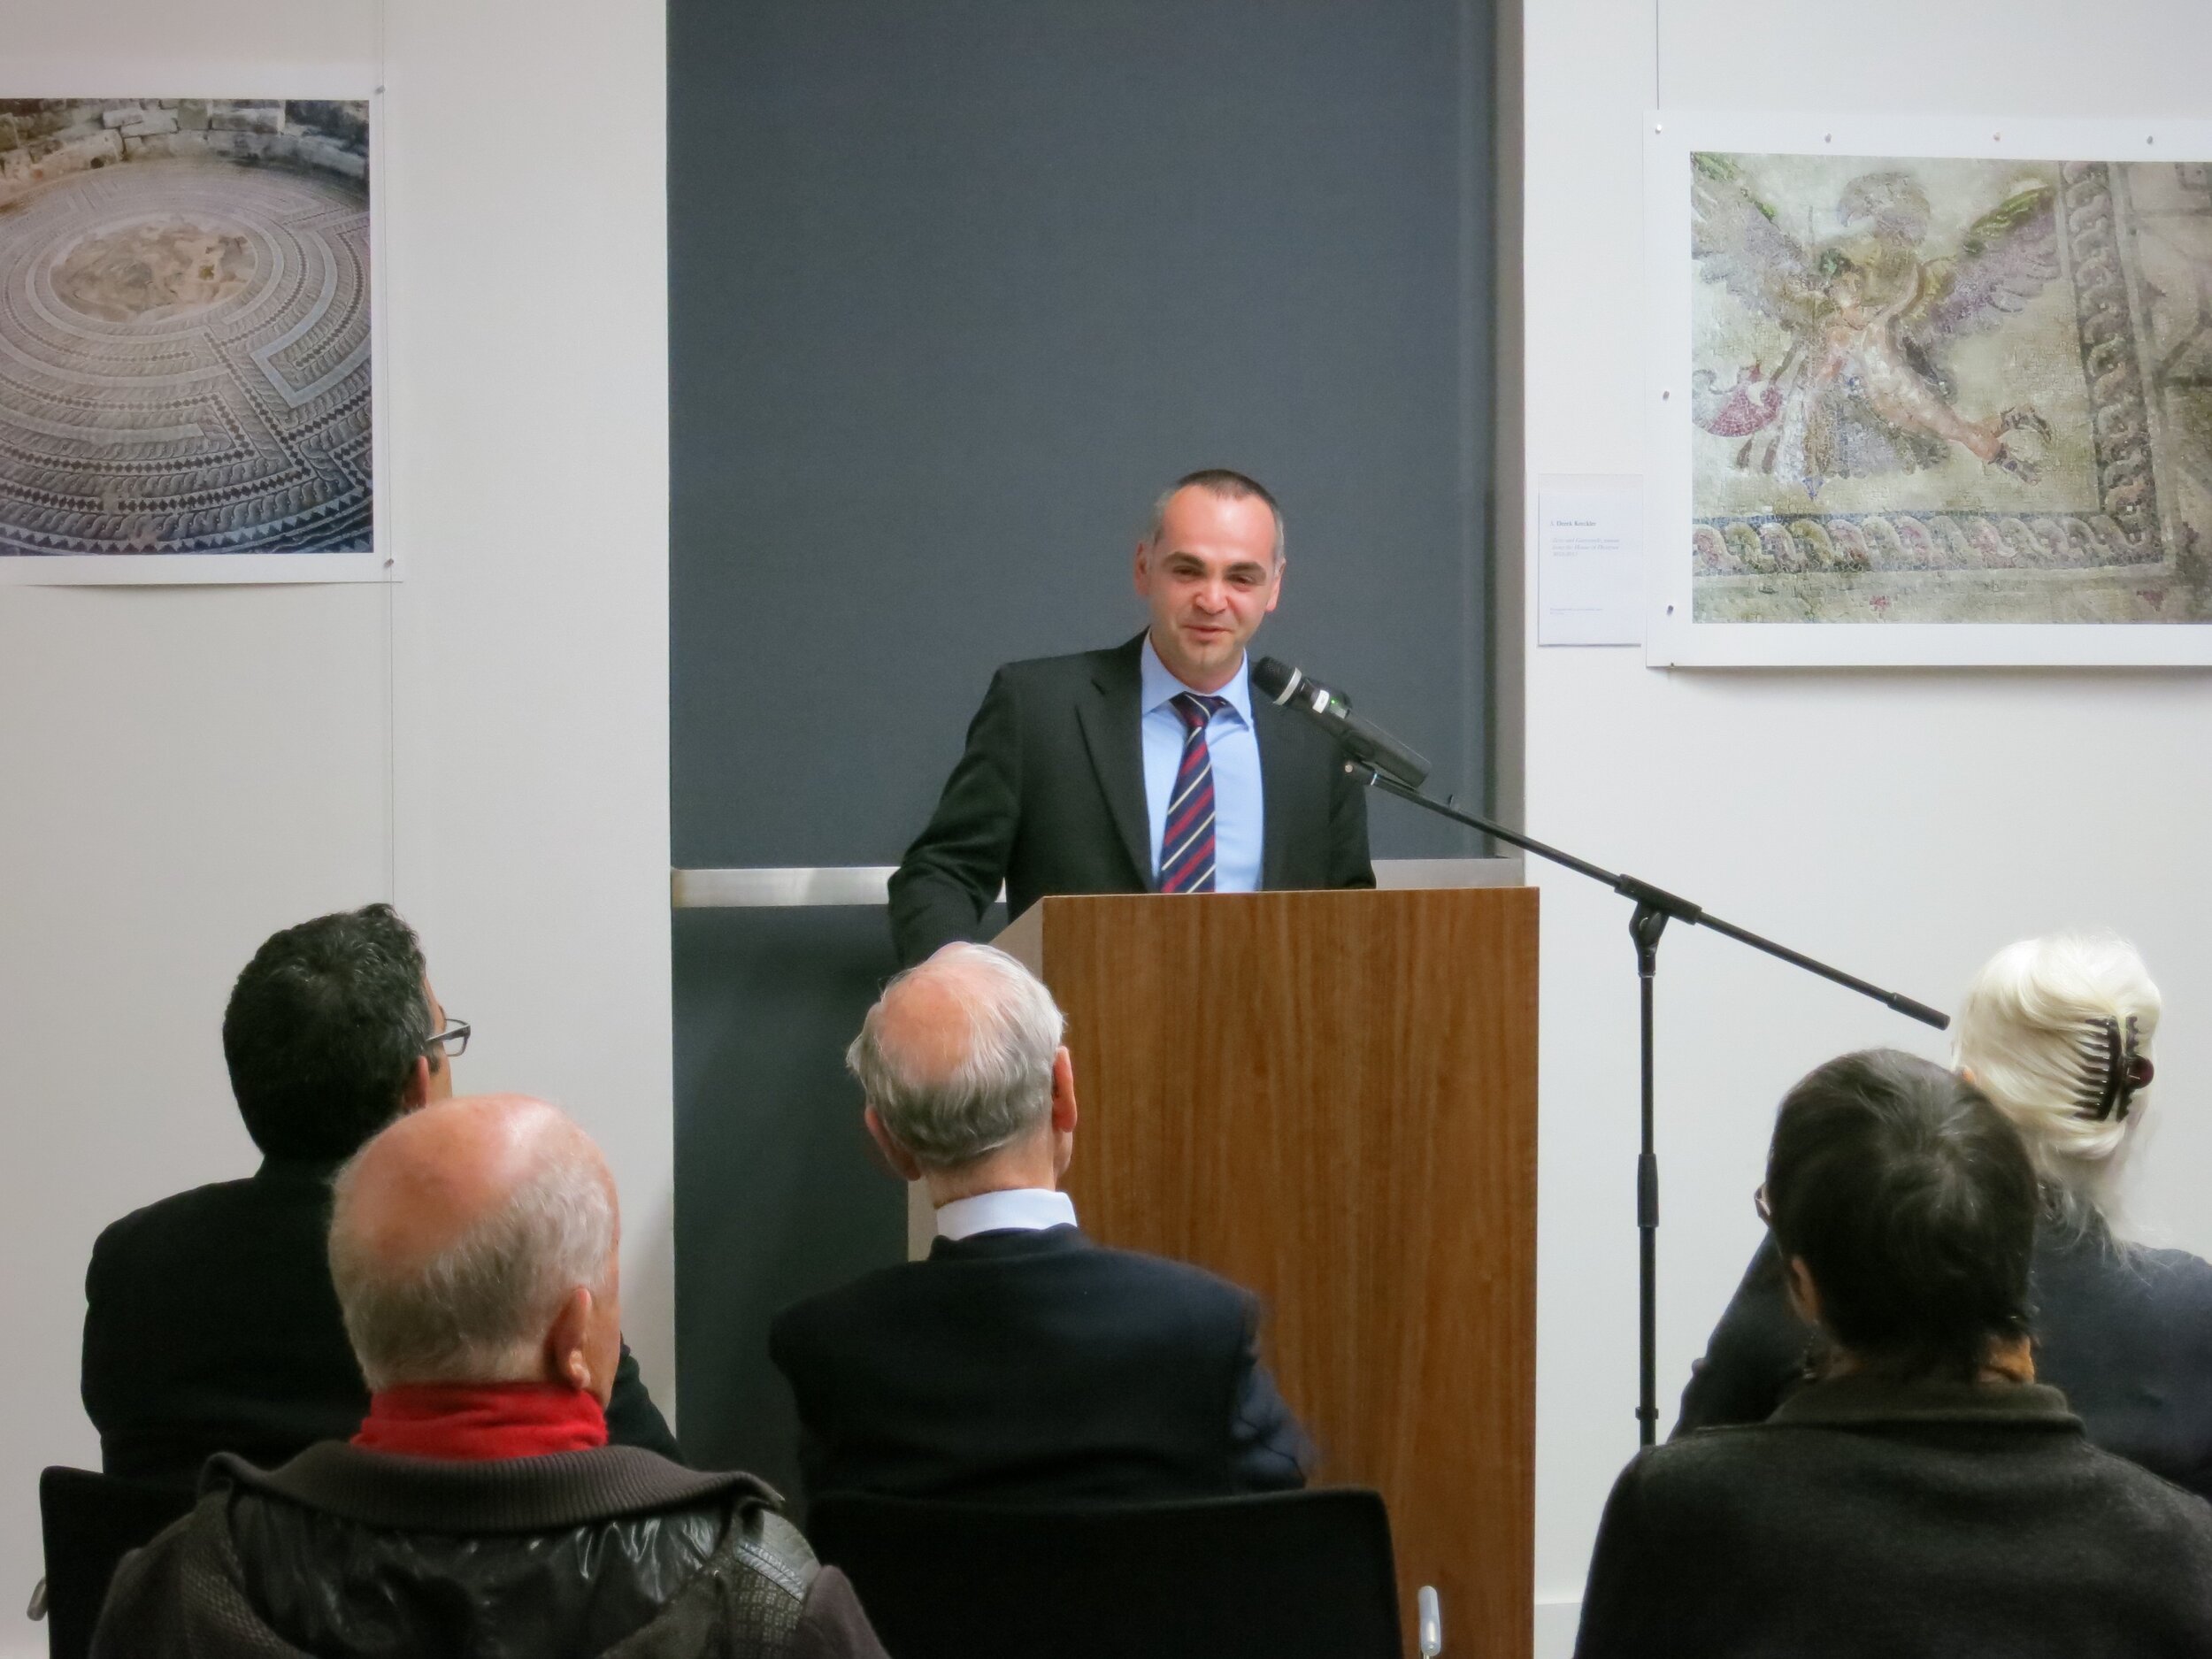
{"points": [[799, 887]]}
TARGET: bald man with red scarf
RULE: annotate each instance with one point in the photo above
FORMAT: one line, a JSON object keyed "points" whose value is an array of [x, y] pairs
{"points": [[475, 1249]]}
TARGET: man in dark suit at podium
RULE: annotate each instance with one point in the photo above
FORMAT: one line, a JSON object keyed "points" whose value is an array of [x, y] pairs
{"points": [[1147, 767], [1020, 1362]]}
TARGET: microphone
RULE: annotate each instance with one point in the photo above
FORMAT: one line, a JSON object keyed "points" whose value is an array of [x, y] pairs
{"points": [[1363, 740]]}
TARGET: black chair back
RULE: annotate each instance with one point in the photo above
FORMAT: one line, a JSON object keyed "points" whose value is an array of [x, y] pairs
{"points": [[1296, 1575], [91, 1522]]}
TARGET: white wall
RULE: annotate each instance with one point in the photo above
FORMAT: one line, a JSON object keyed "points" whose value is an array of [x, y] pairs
{"points": [[1902, 823], [183, 771]]}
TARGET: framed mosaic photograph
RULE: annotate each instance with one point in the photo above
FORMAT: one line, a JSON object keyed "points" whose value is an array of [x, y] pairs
{"points": [[188, 371], [1929, 391]]}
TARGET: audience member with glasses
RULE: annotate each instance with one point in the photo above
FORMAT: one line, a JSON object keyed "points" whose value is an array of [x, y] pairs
{"points": [[1922, 1492], [210, 1324], [2057, 1033]]}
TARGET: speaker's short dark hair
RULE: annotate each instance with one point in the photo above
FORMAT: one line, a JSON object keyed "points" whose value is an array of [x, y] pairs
{"points": [[1913, 1203], [1215, 480], [323, 1031]]}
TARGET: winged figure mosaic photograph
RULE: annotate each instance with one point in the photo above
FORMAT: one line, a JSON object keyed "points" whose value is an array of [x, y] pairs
{"points": [[1950, 390]]}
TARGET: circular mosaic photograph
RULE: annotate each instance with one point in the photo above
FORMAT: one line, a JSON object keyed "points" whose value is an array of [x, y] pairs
{"points": [[184, 329]]}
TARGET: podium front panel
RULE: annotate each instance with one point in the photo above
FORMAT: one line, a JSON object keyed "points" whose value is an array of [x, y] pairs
{"points": [[1331, 1099]]}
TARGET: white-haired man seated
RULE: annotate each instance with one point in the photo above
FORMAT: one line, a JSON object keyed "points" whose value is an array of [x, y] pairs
{"points": [[474, 1248], [1020, 1362]]}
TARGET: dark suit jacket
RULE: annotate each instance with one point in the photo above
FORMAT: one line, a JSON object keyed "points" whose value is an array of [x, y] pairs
{"points": [[211, 1326], [1036, 1367], [1866, 1518], [1049, 798], [2125, 1332]]}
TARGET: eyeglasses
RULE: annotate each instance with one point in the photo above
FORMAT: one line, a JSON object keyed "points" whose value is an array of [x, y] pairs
{"points": [[1759, 1203], [453, 1042]]}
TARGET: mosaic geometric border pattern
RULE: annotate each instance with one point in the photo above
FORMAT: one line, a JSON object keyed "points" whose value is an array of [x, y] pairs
{"points": [[2125, 531], [239, 426]]}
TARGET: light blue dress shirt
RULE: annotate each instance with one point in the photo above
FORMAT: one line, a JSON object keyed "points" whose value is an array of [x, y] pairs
{"points": [[1234, 749]]}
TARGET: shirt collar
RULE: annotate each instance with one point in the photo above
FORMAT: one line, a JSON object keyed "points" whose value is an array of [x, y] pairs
{"points": [[1157, 684], [1015, 1209]]}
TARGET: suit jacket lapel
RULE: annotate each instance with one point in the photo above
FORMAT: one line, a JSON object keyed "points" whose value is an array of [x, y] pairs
{"points": [[1112, 731], [1278, 800]]}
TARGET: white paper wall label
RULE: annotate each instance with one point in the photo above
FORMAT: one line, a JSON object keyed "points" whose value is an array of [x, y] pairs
{"points": [[1590, 561]]}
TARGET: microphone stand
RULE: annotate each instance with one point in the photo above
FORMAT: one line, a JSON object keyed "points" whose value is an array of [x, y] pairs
{"points": [[1655, 907]]}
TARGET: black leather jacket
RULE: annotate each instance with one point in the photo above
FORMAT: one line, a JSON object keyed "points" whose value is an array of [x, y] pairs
{"points": [[367, 1556]]}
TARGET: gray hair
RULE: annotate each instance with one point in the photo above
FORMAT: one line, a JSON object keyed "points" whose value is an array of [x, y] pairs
{"points": [[2021, 1032], [1001, 1089], [1215, 480], [478, 1311]]}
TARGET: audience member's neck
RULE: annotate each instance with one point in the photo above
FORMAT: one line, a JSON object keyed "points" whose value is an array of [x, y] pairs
{"points": [[2006, 1362], [1007, 1169], [2012, 1362], [483, 1422]]}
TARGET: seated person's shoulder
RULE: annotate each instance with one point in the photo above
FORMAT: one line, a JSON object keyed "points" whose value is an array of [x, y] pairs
{"points": [[2187, 1277], [827, 1318], [1728, 1481], [1719, 1458], [1169, 1290], [1158, 1299], [156, 1229], [1169, 1277], [2142, 1517], [2164, 1296]]}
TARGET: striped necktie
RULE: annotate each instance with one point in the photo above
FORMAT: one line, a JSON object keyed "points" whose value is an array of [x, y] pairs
{"points": [[1187, 846]]}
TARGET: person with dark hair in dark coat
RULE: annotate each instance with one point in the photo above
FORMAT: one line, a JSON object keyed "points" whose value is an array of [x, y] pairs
{"points": [[1924, 1494], [2057, 1033], [475, 1246], [210, 1321]]}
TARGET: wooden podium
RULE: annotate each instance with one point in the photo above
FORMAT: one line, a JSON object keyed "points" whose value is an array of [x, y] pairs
{"points": [[1331, 1098]]}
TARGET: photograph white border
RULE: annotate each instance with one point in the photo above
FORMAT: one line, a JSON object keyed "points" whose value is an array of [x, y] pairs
{"points": [[121, 78], [1673, 639]]}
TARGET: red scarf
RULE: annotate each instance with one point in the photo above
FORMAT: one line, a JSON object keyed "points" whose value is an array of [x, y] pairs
{"points": [[481, 1423]]}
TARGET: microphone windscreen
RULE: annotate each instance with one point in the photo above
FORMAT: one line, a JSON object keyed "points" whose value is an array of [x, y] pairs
{"points": [[1270, 679]]}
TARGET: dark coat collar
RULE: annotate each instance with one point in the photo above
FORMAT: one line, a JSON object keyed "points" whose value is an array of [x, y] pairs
{"points": [[517, 1494], [1864, 1401], [281, 1171], [1004, 1242]]}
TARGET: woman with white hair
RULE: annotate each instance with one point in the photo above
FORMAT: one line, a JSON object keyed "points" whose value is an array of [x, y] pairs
{"points": [[2057, 1033]]}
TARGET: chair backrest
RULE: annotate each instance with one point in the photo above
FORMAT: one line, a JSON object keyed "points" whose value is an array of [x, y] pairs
{"points": [[1285, 1576], [91, 1522]]}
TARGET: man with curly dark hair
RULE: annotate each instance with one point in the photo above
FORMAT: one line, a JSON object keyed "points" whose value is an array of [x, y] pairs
{"points": [[210, 1321]]}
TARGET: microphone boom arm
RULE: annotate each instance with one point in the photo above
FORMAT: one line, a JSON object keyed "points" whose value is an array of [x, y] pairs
{"points": [[1656, 899]]}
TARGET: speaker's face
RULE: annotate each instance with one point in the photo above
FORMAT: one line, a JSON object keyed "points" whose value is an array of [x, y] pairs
{"points": [[1208, 577]]}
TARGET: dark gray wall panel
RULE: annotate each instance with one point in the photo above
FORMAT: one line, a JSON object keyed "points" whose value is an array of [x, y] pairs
{"points": [[777, 1195], [956, 288]]}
